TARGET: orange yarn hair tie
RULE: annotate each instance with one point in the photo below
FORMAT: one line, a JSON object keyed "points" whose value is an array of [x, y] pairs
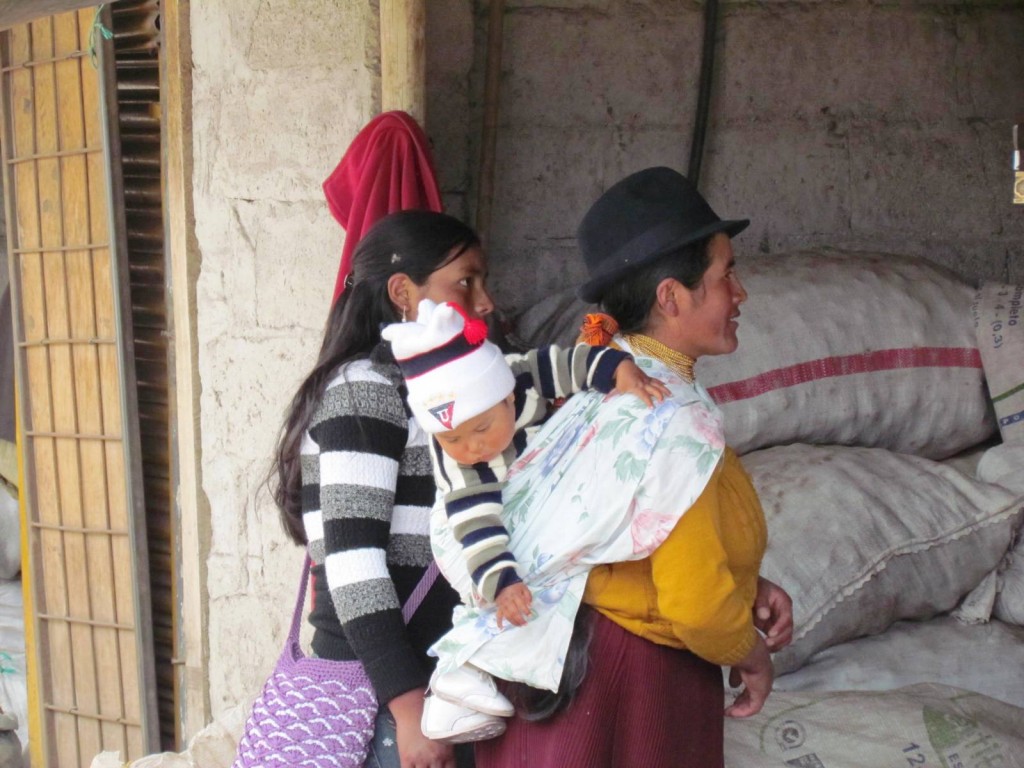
{"points": [[597, 329]]}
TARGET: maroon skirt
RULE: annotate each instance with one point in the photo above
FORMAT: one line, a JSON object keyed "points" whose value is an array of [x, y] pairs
{"points": [[641, 704]]}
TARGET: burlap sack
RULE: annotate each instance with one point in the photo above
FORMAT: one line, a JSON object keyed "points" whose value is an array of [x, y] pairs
{"points": [[861, 537], [976, 657], [1008, 605], [921, 725], [10, 535], [853, 349], [836, 347], [1004, 465], [999, 325], [212, 747]]}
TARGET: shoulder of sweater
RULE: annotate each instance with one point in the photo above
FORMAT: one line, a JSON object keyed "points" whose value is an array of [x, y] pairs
{"points": [[361, 389]]}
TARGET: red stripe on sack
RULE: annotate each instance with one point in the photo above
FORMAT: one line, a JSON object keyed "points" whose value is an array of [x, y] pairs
{"points": [[846, 365]]}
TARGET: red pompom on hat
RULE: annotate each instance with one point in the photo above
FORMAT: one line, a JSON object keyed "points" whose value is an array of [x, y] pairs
{"points": [[475, 329]]}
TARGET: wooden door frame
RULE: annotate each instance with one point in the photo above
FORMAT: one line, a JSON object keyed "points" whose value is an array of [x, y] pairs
{"points": [[193, 510]]}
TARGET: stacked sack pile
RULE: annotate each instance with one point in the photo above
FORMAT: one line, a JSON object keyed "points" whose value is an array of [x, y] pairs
{"points": [[856, 375]]}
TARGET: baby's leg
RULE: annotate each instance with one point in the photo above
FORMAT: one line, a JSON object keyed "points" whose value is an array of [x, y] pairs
{"points": [[473, 688], [464, 705]]}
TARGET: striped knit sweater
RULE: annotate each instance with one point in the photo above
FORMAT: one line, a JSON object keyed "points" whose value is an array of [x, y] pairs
{"points": [[472, 493], [367, 491]]}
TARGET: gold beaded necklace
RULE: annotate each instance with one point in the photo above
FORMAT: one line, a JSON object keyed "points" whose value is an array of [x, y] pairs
{"points": [[677, 361]]}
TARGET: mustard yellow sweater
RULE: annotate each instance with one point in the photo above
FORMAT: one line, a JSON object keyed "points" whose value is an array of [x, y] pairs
{"points": [[697, 590]]}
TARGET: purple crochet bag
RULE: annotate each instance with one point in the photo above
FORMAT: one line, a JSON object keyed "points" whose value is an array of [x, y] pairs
{"points": [[315, 712]]}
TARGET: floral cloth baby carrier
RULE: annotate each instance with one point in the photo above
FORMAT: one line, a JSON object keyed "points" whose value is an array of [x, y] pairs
{"points": [[605, 480]]}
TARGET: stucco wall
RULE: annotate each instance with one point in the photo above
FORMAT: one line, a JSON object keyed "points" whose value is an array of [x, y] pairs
{"points": [[858, 123], [278, 95]]}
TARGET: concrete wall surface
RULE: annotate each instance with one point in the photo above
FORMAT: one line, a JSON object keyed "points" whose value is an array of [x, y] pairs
{"points": [[277, 97], [854, 123]]}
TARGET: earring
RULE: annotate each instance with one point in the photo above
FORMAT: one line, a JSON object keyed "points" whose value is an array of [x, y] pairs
{"points": [[403, 314]]}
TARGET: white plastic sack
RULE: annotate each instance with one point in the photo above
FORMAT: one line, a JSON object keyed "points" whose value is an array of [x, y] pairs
{"points": [[1009, 601], [107, 759], [14, 700], [836, 347], [10, 744], [862, 537], [1004, 465], [10, 535], [921, 725], [213, 747], [984, 658], [13, 678], [861, 349], [999, 318]]}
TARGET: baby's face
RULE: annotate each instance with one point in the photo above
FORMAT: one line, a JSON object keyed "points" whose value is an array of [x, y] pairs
{"points": [[483, 437]]}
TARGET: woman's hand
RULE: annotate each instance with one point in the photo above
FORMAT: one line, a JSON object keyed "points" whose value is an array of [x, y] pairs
{"points": [[755, 673], [773, 614], [414, 749], [514, 603], [631, 380]]}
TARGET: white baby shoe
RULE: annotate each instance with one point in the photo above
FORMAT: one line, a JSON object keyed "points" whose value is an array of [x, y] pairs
{"points": [[471, 687], [454, 724]]}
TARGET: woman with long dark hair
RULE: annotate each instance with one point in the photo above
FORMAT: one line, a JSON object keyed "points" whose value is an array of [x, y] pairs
{"points": [[353, 481]]}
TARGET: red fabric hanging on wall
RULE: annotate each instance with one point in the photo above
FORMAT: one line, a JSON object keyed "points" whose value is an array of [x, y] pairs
{"points": [[387, 168]]}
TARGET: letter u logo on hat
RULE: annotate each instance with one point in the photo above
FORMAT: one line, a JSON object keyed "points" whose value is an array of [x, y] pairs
{"points": [[443, 413]]}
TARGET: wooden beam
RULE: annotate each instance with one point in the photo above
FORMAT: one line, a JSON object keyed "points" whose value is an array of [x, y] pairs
{"points": [[403, 57], [489, 139], [183, 252]]}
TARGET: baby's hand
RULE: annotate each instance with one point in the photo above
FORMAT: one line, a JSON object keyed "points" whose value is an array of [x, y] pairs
{"points": [[514, 603], [630, 379]]}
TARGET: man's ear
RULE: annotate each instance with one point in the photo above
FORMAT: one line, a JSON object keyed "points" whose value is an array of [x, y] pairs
{"points": [[399, 292]]}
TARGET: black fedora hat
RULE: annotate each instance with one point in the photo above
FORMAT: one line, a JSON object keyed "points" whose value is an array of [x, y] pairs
{"points": [[646, 215]]}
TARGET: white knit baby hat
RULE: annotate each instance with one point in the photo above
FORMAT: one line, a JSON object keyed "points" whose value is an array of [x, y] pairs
{"points": [[452, 372]]}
